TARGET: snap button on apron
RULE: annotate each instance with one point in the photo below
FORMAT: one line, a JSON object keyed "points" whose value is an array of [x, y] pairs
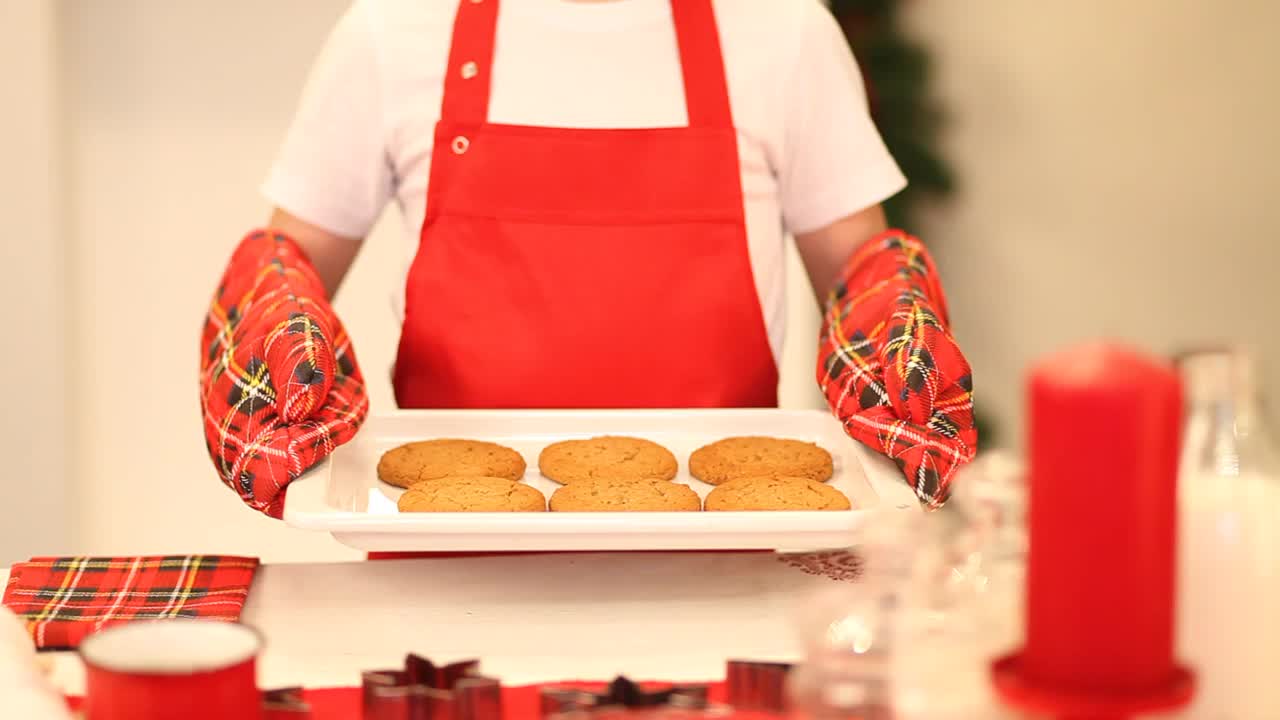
{"points": [[469, 70], [460, 144]]}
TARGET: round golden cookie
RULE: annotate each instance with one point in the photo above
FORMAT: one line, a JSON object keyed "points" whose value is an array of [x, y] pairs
{"points": [[606, 457], [624, 495], [471, 494], [776, 493], [739, 457], [431, 459]]}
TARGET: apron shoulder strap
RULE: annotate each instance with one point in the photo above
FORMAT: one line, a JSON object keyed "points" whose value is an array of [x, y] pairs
{"points": [[706, 92], [467, 78]]}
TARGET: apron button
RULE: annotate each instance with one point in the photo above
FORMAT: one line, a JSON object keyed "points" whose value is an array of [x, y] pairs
{"points": [[469, 70], [460, 144]]}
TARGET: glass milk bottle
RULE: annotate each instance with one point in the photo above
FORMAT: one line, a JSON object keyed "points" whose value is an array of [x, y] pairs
{"points": [[1229, 541]]}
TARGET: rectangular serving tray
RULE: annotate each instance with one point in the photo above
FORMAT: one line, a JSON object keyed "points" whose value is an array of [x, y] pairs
{"points": [[344, 497]]}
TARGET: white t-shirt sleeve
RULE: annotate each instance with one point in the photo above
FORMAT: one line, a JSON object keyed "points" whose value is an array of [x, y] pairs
{"points": [[333, 169], [834, 162]]}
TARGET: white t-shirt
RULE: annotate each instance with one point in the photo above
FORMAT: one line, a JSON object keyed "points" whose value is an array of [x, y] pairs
{"points": [[809, 152]]}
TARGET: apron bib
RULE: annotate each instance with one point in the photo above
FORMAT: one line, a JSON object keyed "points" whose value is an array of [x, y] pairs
{"points": [[583, 268]]}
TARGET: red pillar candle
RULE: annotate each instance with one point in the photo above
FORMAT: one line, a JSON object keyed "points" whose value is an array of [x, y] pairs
{"points": [[1104, 436]]}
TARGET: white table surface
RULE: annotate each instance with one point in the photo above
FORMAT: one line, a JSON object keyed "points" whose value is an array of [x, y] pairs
{"points": [[536, 618], [672, 616]]}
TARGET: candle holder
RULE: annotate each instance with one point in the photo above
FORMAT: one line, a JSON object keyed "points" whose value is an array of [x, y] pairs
{"points": [[1017, 688]]}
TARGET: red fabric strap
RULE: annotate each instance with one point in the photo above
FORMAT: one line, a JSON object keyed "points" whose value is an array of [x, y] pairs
{"points": [[706, 91], [467, 79]]}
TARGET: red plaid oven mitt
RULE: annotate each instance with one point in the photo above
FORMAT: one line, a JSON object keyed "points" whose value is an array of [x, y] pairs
{"points": [[891, 370], [279, 383], [65, 599]]}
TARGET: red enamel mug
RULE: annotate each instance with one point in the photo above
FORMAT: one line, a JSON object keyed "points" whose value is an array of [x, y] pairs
{"points": [[176, 669]]}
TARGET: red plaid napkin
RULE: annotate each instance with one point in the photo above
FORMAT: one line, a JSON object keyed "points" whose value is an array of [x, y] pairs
{"points": [[64, 599]]}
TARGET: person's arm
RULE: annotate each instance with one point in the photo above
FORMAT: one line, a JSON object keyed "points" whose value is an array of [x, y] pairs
{"points": [[331, 178], [832, 166], [887, 362], [826, 250], [331, 254], [280, 385]]}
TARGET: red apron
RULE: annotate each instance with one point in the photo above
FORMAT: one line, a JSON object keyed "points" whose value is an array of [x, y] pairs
{"points": [[572, 268], [583, 268]]}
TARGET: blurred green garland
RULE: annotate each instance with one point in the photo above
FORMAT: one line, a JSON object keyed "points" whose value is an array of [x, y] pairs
{"points": [[896, 73]]}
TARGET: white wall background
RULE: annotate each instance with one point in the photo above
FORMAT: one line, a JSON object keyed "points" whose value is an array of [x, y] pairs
{"points": [[173, 113], [1118, 161], [36, 507]]}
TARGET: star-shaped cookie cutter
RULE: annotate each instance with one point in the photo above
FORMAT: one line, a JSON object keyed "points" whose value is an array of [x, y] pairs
{"points": [[749, 685], [426, 691], [285, 704], [562, 700]]}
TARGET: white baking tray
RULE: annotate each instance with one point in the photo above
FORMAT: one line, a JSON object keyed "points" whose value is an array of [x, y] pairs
{"points": [[343, 496]]}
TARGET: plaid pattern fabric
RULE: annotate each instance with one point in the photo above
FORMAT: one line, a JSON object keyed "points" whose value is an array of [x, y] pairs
{"points": [[279, 383], [890, 369], [64, 599]]}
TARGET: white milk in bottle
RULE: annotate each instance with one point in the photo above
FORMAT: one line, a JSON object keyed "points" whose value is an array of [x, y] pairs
{"points": [[1229, 545]]}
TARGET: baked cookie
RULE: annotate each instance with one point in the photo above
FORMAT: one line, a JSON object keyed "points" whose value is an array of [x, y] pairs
{"points": [[471, 494], [619, 458], [430, 459], [776, 493], [739, 457], [624, 495]]}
